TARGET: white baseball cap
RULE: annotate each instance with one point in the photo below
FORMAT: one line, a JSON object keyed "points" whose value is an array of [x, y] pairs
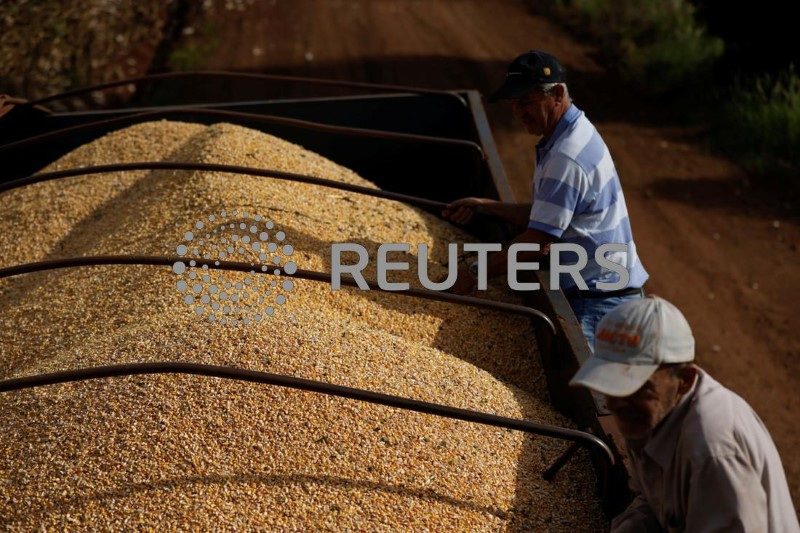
{"points": [[631, 341]]}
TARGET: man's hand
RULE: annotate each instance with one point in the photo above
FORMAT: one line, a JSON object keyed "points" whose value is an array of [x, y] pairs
{"points": [[461, 211], [465, 283]]}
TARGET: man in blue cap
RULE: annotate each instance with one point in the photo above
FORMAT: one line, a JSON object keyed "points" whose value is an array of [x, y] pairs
{"points": [[577, 196]]}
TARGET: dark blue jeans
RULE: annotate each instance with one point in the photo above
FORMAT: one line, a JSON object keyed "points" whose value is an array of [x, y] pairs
{"points": [[589, 311]]}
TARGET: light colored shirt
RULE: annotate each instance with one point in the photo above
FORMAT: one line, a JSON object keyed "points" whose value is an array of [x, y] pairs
{"points": [[577, 198], [710, 467]]}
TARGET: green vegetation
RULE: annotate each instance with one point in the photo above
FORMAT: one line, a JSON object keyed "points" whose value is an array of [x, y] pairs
{"points": [[194, 51], [760, 123], [658, 44], [661, 47], [49, 46]]}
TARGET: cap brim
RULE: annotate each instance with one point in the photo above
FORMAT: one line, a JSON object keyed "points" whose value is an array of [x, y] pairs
{"points": [[512, 89], [610, 378]]}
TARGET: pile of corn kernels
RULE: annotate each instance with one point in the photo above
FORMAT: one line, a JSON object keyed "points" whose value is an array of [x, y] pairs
{"points": [[189, 452]]}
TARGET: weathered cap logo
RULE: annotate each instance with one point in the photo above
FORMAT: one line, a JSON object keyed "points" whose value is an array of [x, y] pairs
{"points": [[619, 337]]}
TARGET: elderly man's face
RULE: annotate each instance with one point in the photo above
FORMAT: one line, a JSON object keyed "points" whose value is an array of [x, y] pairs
{"points": [[638, 415], [539, 112]]}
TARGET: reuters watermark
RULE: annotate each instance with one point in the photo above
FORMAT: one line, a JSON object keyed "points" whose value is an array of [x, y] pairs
{"points": [[482, 250], [233, 298], [230, 297]]}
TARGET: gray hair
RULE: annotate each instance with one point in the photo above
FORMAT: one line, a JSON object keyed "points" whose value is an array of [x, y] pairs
{"points": [[547, 87]]}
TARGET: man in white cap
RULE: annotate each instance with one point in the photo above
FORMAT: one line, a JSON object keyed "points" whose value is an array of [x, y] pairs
{"points": [[700, 455]]}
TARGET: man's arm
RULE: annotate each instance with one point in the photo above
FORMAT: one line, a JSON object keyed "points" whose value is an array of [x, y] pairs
{"points": [[498, 262], [637, 518], [461, 211], [725, 494], [561, 192]]}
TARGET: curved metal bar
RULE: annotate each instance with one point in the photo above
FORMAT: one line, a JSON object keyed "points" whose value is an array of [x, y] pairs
{"points": [[246, 75], [560, 461], [212, 167], [310, 275], [279, 380], [271, 119]]}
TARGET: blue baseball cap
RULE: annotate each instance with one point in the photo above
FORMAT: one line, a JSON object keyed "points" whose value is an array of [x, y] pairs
{"points": [[528, 71]]}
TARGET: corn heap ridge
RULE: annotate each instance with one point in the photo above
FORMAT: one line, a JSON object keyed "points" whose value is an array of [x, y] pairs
{"points": [[189, 452]]}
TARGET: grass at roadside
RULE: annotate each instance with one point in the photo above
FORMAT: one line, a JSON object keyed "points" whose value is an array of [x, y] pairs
{"points": [[656, 45], [760, 125], [660, 47]]}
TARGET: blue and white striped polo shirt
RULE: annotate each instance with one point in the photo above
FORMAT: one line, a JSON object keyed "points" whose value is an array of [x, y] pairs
{"points": [[577, 198]]}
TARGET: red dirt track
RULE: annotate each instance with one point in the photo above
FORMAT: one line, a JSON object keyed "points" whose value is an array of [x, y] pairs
{"points": [[715, 248]]}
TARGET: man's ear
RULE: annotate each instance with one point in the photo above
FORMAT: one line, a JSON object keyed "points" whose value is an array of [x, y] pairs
{"points": [[558, 92], [686, 376]]}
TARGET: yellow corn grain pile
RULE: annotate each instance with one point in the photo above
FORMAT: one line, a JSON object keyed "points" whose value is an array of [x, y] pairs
{"points": [[188, 452]]}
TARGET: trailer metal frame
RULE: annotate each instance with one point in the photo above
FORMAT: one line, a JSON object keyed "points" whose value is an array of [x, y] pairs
{"points": [[402, 124]]}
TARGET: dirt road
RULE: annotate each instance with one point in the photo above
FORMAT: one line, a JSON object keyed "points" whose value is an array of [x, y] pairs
{"points": [[713, 246]]}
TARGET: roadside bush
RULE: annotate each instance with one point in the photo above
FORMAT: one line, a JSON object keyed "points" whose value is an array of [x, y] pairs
{"points": [[658, 44], [760, 124], [660, 47], [49, 46], [192, 51]]}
